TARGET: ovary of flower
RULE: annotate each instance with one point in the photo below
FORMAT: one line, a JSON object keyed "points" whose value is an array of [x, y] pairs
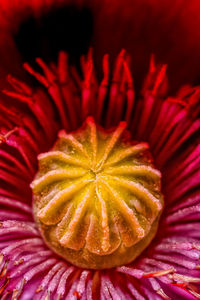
{"points": [[97, 198]]}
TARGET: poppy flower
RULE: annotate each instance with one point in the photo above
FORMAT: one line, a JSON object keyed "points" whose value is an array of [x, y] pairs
{"points": [[72, 118]]}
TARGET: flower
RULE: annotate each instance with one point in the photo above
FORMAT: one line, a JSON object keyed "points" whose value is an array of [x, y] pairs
{"points": [[31, 116]]}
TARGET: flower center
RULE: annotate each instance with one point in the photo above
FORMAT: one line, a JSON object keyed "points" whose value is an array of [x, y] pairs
{"points": [[97, 198]]}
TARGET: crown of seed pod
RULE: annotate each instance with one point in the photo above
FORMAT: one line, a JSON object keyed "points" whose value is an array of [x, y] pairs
{"points": [[97, 197]]}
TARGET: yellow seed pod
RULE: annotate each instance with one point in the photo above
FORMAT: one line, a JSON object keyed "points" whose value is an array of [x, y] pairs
{"points": [[96, 196]]}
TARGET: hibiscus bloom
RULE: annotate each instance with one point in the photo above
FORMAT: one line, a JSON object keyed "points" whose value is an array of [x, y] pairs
{"points": [[63, 95]]}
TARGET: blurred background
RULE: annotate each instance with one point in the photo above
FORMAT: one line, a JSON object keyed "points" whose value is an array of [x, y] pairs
{"points": [[167, 28]]}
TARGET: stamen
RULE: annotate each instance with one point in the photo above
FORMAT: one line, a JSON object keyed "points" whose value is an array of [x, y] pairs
{"points": [[159, 79], [86, 93], [18, 291], [4, 285], [63, 67], [37, 75], [103, 88], [4, 137], [159, 273], [130, 94], [3, 271], [114, 89], [19, 86]]}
